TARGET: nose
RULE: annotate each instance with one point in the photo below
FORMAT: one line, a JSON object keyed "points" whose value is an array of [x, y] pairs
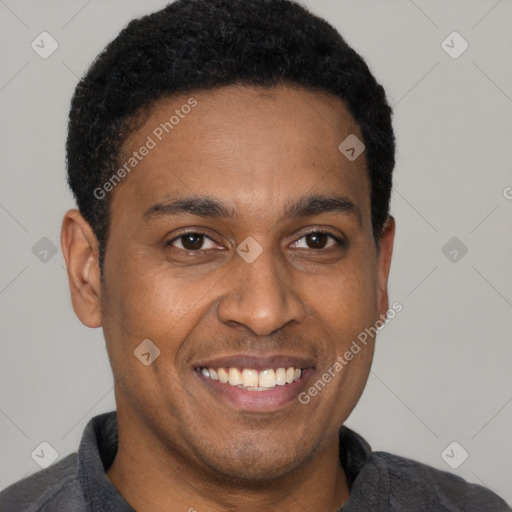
{"points": [[261, 295]]}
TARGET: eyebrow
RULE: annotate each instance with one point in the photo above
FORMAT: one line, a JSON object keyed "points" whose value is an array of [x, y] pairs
{"points": [[212, 208]]}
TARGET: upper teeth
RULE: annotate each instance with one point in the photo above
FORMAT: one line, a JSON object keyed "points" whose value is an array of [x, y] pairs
{"points": [[254, 379]]}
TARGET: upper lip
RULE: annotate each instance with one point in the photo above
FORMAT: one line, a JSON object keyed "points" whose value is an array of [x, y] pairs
{"points": [[255, 362]]}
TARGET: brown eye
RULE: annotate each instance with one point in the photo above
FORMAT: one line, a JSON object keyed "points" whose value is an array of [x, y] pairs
{"points": [[319, 240], [190, 241]]}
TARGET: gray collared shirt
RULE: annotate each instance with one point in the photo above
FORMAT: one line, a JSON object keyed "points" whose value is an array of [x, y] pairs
{"points": [[379, 481]]}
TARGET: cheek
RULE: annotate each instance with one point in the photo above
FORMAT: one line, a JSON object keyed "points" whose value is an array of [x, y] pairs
{"points": [[149, 300], [346, 300]]}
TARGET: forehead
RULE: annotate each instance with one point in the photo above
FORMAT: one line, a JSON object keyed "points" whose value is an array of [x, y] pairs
{"points": [[253, 147]]}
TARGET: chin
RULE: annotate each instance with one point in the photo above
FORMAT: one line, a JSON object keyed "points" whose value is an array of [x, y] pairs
{"points": [[255, 463], [255, 473]]}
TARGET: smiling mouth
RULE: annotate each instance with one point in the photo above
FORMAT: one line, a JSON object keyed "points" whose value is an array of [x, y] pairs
{"points": [[251, 379]]}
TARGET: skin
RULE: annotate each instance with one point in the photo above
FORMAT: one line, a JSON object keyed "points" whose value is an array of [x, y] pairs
{"points": [[257, 150]]}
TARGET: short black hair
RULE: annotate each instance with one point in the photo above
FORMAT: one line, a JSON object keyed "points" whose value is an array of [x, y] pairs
{"points": [[203, 44]]}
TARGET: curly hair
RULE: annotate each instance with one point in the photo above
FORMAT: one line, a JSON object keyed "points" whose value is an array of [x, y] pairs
{"points": [[204, 44]]}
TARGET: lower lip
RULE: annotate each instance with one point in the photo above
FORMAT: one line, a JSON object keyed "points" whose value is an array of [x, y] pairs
{"points": [[258, 401]]}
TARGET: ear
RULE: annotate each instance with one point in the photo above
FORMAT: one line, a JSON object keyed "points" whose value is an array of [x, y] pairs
{"points": [[385, 251], [80, 250]]}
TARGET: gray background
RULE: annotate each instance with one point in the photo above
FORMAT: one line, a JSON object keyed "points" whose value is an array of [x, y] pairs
{"points": [[442, 370]]}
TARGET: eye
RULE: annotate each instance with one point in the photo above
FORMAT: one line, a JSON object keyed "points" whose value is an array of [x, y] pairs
{"points": [[195, 241], [192, 241], [318, 240]]}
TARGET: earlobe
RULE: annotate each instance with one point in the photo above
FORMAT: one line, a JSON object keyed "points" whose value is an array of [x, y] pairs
{"points": [[80, 250], [384, 263]]}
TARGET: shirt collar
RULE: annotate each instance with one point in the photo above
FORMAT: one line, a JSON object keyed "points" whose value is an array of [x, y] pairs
{"points": [[96, 453], [98, 449]]}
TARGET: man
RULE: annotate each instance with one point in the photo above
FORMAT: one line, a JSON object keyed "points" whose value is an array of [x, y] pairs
{"points": [[232, 163]]}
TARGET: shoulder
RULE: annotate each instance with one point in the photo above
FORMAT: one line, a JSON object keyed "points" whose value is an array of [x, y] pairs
{"points": [[416, 486], [55, 488]]}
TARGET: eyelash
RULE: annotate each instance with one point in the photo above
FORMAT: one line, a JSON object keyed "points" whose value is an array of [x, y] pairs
{"points": [[339, 241]]}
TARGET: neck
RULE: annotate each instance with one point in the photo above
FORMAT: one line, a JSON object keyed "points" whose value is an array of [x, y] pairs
{"points": [[151, 476]]}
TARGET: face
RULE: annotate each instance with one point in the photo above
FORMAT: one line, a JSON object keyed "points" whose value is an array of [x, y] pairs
{"points": [[241, 240]]}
